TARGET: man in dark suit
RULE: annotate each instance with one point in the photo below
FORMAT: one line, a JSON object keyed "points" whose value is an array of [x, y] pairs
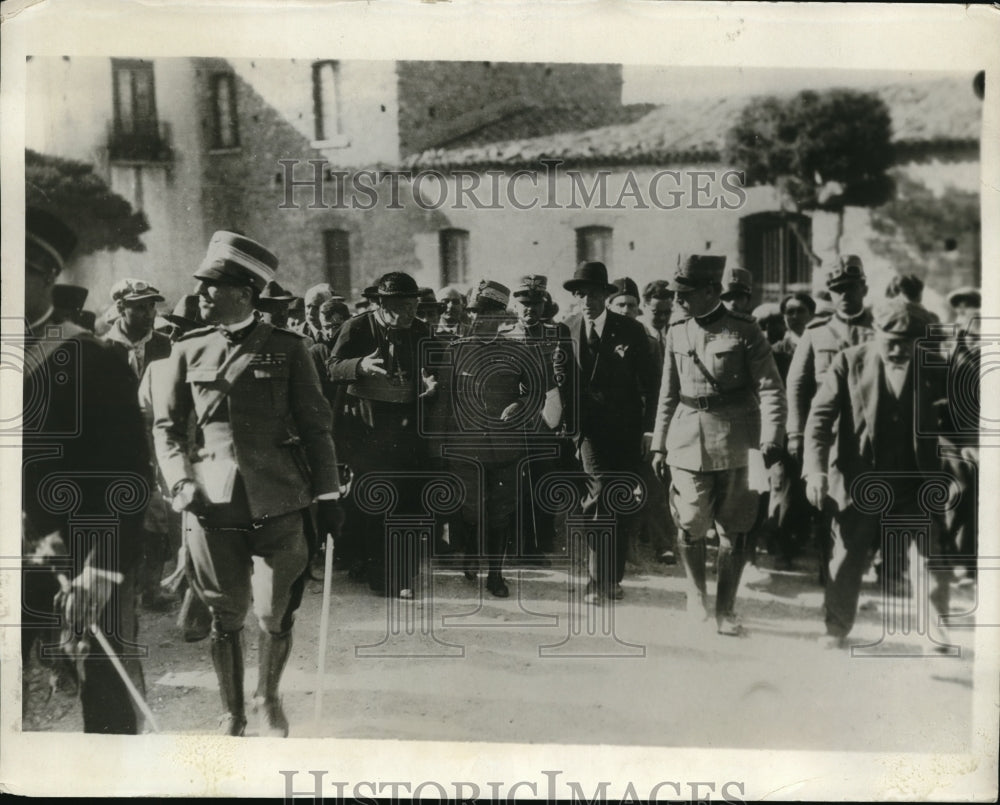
{"points": [[617, 389], [871, 415], [83, 445], [267, 455], [376, 356]]}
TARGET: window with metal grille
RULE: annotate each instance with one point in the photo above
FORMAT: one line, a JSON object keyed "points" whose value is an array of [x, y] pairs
{"points": [[326, 99], [594, 243], [337, 254], [454, 249], [775, 249], [225, 131]]}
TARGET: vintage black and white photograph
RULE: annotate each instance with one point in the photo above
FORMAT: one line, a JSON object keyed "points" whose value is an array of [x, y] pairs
{"points": [[486, 419]]}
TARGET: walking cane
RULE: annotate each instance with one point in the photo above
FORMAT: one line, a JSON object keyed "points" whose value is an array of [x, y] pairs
{"points": [[129, 684], [324, 623]]}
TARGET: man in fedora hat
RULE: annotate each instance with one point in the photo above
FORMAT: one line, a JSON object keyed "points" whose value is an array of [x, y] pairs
{"points": [[737, 289], [273, 303], [81, 429], [849, 324], [874, 414], [376, 357], [720, 397], [267, 454], [617, 391]]}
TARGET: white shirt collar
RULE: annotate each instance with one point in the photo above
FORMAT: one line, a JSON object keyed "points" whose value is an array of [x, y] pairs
{"points": [[598, 323]]}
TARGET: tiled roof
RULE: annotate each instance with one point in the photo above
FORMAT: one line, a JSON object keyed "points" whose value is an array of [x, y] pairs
{"points": [[943, 113]]}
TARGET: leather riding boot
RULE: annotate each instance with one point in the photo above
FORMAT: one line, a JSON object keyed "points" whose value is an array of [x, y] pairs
{"points": [[732, 560], [227, 657], [693, 553], [274, 651]]}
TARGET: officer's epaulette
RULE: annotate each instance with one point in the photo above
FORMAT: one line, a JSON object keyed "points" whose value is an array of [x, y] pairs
{"points": [[681, 320], [196, 332], [739, 314]]}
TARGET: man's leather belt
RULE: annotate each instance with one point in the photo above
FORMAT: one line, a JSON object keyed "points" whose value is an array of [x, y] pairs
{"points": [[710, 402]]}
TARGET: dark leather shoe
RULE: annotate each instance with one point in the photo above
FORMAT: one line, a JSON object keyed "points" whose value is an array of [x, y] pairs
{"points": [[231, 724], [617, 593], [272, 720], [497, 586]]}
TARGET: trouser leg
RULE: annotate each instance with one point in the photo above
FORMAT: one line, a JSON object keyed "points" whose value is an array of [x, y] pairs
{"points": [[732, 559], [852, 539]]}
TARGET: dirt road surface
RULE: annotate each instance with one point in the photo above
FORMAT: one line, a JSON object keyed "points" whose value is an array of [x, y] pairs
{"points": [[542, 667]]}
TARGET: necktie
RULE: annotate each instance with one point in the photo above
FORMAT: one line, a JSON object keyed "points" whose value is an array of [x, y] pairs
{"points": [[593, 339]]}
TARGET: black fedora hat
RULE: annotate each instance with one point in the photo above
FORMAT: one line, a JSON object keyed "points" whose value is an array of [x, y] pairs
{"points": [[397, 284], [590, 273]]}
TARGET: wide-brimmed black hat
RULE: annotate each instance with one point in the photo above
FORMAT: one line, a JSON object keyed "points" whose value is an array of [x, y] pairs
{"points": [[186, 314], [397, 284], [273, 292], [590, 273]]}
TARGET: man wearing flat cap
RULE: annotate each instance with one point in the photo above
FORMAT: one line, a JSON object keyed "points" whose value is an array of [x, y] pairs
{"points": [[132, 335], [873, 414], [850, 324], [133, 338], [376, 357], [615, 406], [720, 397], [267, 454], [87, 438]]}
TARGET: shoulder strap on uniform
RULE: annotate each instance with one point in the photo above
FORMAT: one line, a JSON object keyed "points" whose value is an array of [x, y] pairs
{"points": [[234, 366], [698, 362]]}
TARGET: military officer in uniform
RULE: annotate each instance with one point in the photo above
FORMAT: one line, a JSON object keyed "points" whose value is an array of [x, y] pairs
{"points": [[737, 289], [267, 454], [720, 397], [824, 337], [82, 432]]}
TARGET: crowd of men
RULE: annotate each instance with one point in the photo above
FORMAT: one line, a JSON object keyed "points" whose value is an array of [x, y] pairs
{"points": [[242, 416]]}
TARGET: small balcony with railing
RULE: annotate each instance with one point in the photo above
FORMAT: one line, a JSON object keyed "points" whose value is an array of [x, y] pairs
{"points": [[143, 142]]}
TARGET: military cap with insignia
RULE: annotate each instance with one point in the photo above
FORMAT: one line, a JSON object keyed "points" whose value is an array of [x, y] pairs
{"points": [[901, 318], [736, 280], [847, 270], [48, 242], [698, 270], [490, 292], [532, 286], [233, 259]]}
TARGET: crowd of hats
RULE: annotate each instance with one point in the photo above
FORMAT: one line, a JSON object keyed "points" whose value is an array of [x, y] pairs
{"points": [[234, 259]]}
